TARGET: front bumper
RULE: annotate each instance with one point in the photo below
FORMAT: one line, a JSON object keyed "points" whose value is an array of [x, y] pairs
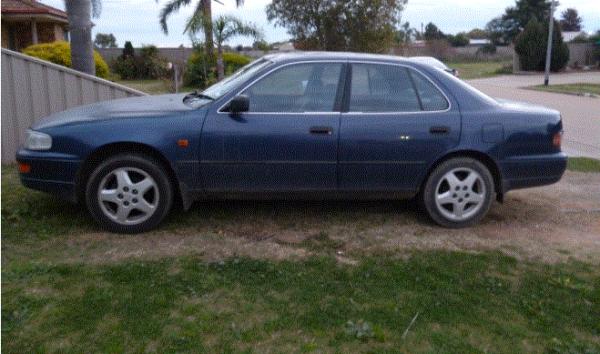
{"points": [[53, 173], [532, 171]]}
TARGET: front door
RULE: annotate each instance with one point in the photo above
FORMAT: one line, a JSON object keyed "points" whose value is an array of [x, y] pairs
{"points": [[397, 123], [286, 142]]}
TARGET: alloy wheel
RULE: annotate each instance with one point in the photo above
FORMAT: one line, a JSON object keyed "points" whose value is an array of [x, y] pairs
{"points": [[128, 196], [460, 194]]}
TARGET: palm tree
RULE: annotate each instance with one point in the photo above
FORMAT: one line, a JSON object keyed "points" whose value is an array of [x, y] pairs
{"points": [[224, 28], [79, 13], [203, 10], [406, 33]]}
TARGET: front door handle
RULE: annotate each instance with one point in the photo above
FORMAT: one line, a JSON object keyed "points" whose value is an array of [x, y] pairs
{"points": [[321, 130], [439, 130]]}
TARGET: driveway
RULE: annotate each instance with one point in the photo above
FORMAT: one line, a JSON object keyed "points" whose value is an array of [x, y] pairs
{"points": [[581, 115]]}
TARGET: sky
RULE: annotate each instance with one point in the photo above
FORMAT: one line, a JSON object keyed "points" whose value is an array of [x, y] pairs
{"points": [[137, 20]]}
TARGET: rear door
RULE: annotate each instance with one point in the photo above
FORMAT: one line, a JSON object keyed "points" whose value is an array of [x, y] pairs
{"points": [[286, 142], [397, 122]]}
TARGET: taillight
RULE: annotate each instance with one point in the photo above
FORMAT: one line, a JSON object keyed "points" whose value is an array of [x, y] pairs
{"points": [[24, 167], [557, 139]]}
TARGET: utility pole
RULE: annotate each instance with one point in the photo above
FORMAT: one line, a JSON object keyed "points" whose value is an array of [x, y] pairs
{"points": [[549, 47]]}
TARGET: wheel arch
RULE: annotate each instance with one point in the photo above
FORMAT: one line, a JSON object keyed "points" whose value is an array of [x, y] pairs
{"points": [[105, 151], [485, 159]]}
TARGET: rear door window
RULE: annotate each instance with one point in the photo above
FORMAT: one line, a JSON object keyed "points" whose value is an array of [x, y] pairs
{"points": [[382, 88]]}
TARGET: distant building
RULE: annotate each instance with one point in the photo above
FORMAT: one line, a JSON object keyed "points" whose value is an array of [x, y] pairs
{"points": [[419, 43], [570, 36], [284, 47], [26, 22], [478, 42]]}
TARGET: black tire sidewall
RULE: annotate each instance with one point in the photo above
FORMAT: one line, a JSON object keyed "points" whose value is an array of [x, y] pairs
{"points": [[429, 190], [148, 165]]}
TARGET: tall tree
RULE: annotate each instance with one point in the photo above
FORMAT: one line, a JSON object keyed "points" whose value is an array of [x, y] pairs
{"points": [[406, 34], [358, 25], [224, 28], [202, 10], [477, 33], [432, 32], [104, 40], [79, 13], [570, 20], [515, 18]]}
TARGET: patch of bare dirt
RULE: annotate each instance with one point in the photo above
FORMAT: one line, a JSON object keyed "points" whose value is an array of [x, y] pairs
{"points": [[549, 224]]}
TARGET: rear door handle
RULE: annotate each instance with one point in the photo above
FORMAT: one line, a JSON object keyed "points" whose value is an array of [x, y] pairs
{"points": [[321, 130], [439, 130]]}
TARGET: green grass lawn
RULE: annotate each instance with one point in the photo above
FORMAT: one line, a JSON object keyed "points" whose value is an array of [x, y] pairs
{"points": [[153, 87], [576, 89], [463, 302], [477, 70], [584, 164]]}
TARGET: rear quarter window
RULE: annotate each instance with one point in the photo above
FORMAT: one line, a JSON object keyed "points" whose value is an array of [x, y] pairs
{"points": [[431, 97]]}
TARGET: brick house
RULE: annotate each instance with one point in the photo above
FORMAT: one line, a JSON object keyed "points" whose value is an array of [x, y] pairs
{"points": [[26, 22]]}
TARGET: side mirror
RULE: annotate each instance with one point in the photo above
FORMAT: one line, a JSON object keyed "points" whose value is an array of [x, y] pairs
{"points": [[239, 104]]}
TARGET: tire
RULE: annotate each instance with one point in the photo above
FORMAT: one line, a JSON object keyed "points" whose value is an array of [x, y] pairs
{"points": [[129, 193], [458, 193]]}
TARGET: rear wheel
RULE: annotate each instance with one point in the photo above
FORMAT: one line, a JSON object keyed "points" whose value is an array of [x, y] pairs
{"points": [[458, 193], [129, 193]]}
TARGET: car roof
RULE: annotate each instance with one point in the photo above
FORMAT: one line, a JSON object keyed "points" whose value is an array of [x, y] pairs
{"points": [[430, 61], [306, 56]]}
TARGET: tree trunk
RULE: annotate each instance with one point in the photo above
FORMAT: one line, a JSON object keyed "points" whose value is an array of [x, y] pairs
{"points": [[220, 66], [80, 33], [208, 28]]}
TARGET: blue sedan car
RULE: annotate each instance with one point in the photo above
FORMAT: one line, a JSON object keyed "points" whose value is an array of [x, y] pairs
{"points": [[309, 125]]}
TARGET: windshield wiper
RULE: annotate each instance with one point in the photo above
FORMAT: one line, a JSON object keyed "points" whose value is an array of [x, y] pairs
{"points": [[197, 94]]}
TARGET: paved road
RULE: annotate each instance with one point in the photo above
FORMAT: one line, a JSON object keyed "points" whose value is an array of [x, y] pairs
{"points": [[581, 115]]}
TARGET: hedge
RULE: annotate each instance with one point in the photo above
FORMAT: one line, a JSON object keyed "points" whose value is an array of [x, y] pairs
{"points": [[202, 73], [60, 53]]}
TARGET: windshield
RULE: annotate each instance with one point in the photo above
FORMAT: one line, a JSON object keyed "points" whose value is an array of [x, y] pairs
{"points": [[222, 87]]}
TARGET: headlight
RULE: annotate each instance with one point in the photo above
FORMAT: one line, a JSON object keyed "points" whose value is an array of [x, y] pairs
{"points": [[37, 141]]}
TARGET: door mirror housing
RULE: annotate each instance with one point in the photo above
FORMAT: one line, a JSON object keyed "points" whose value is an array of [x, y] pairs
{"points": [[239, 104]]}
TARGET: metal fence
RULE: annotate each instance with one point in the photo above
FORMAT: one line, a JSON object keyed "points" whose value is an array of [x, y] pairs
{"points": [[33, 88]]}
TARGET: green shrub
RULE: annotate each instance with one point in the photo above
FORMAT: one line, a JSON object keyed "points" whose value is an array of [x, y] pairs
{"points": [[488, 48], [531, 45], [234, 61], [560, 50], [458, 40], [60, 53], [201, 72], [147, 65], [128, 50]]}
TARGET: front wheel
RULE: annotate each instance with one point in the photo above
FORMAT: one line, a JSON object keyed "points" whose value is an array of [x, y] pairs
{"points": [[129, 193], [458, 193]]}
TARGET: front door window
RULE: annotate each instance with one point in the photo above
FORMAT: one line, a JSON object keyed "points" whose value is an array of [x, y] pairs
{"points": [[296, 89]]}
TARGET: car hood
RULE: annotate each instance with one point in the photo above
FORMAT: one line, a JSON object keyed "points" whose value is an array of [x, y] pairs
{"points": [[133, 107], [526, 107]]}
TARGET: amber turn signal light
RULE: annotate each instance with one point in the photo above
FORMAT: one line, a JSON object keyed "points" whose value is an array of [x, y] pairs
{"points": [[24, 167], [183, 143], [557, 140]]}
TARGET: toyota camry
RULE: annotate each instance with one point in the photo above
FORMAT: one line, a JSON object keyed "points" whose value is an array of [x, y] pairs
{"points": [[298, 125]]}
